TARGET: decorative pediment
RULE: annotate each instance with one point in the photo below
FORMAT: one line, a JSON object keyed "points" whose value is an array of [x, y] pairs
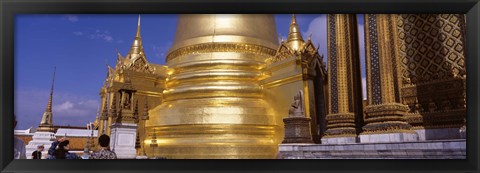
{"points": [[309, 48], [140, 64], [282, 53]]}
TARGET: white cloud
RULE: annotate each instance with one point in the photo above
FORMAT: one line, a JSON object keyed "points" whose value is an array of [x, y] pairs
{"points": [[108, 38], [98, 34], [72, 18], [64, 106], [318, 29], [68, 108], [78, 108]]}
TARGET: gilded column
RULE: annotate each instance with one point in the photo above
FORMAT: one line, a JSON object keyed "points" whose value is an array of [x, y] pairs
{"points": [[385, 116], [345, 105], [112, 113], [104, 116]]}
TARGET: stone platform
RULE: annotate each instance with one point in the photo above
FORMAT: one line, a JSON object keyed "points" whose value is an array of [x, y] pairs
{"points": [[439, 149]]}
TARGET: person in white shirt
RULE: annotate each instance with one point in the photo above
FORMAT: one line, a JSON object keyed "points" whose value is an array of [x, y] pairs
{"points": [[19, 151]]}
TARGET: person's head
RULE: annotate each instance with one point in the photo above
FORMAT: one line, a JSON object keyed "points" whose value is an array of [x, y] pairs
{"points": [[64, 145], [104, 140], [40, 148]]}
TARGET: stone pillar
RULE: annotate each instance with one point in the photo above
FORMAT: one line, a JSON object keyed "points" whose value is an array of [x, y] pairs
{"points": [[123, 137], [344, 116], [385, 116]]}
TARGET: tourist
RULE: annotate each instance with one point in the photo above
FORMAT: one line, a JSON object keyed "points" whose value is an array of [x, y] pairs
{"points": [[37, 154], [59, 150], [19, 151], [104, 153]]}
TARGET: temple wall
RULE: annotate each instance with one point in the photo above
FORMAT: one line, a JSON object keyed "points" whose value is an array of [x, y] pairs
{"points": [[280, 87]]}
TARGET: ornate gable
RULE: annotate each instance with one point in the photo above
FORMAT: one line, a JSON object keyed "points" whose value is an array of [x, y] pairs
{"points": [[283, 52], [140, 64]]}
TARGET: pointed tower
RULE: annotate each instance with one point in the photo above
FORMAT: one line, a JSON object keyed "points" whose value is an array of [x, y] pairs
{"points": [[136, 60], [295, 40], [46, 125], [137, 46]]}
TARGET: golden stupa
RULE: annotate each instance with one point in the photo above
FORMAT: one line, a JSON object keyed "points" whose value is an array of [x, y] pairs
{"points": [[213, 105], [226, 86]]}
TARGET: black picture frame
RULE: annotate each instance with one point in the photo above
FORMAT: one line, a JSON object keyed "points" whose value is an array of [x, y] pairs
{"points": [[9, 8]]}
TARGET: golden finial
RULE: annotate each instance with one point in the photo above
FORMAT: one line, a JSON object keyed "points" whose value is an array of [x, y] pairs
{"points": [[294, 40], [138, 27]]}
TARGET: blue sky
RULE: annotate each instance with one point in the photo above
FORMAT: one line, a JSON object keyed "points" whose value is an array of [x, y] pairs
{"points": [[80, 46]]}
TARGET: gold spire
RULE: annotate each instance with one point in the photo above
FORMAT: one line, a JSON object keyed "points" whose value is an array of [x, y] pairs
{"points": [[294, 40], [138, 27], [49, 105], [46, 124], [137, 46]]}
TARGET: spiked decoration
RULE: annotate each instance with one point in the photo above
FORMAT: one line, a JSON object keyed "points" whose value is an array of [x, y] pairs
{"points": [[135, 113], [137, 142], [113, 108], [145, 110], [104, 115]]}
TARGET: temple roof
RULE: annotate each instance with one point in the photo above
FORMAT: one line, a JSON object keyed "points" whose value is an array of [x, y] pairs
{"points": [[136, 59]]}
